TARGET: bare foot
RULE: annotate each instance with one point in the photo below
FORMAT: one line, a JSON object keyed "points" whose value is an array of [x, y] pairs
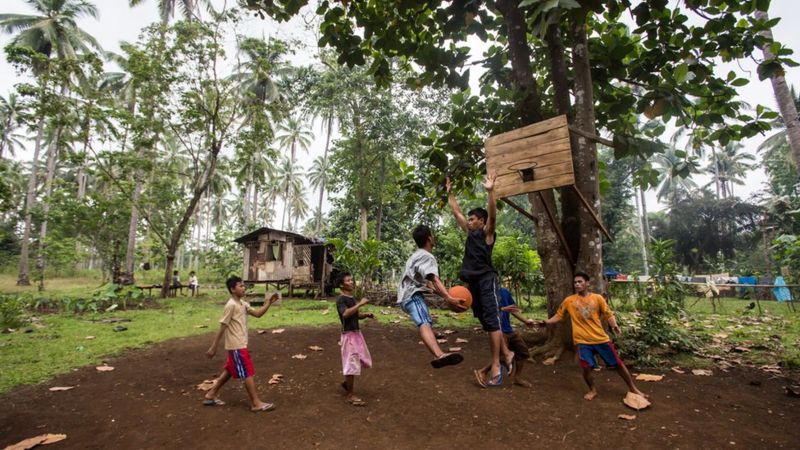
{"points": [[636, 391], [590, 395], [522, 383], [549, 361]]}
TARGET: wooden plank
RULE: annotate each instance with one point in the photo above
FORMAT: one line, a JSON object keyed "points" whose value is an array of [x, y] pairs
{"points": [[510, 190], [559, 150], [509, 165], [538, 140], [539, 174], [591, 136], [530, 130], [594, 214]]}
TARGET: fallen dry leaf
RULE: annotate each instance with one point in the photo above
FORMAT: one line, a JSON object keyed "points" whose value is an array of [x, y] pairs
{"points": [[448, 332], [89, 338], [678, 370], [42, 439], [61, 388], [648, 377], [276, 378], [441, 341], [394, 321], [325, 311], [461, 341], [278, 331], [702, 372], [316, 348], [454, 349], [635, 401], [201, 326], [549, 361], [205, 385], [261, 331], [299, 356], [627, 416], [104, 368], [385, 312]]}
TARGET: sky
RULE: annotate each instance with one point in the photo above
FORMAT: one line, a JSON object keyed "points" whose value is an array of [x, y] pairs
{"points": [[118, 22]]}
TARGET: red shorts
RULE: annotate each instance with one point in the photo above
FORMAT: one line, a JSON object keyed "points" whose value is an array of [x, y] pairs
{"points": [[239, 364]]}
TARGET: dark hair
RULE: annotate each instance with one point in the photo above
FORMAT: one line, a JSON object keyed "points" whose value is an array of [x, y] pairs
{"points": [[342, 277], [480, 213], [231, 282], [191, 273], [420, 234], [174, 272], [583, 275]]}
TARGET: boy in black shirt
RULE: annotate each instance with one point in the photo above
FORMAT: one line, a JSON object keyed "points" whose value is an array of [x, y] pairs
{"points": [[355, 353], [479, 274]]}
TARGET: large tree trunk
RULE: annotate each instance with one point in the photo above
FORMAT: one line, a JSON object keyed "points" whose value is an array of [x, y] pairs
{"points": [[324, 174], [52, 158], [643, 229], [133, 224], [200, 186], [23, 278], [785, 101]]}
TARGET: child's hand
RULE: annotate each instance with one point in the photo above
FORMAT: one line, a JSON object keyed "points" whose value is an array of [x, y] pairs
{"points": [[275, 297], [458, 303], [510, 309], [617, 331], [363, 301], [369, 316], [211, 352], [530, 323], [448, 184]]}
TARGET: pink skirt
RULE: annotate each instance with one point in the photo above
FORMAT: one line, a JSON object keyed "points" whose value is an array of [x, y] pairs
{"points": [[355, 353]]}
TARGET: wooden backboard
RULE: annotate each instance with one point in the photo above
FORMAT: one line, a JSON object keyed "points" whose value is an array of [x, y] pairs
{"points": [[544, 146]]}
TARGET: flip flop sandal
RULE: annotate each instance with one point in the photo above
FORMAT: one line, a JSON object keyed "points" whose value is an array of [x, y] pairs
{"points": [[450, 359], [479, 377], [357, 402], [213, 402], [264, 408], [499, 379]]}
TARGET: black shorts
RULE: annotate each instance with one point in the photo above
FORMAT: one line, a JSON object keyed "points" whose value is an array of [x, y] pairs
{"points": [[486, 301]]}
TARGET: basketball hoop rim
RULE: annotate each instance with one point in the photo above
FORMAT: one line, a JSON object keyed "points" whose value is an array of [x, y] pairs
{"points": [[523, 165]]}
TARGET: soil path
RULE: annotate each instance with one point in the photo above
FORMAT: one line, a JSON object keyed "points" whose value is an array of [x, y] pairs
{"points": [[150, 401]]}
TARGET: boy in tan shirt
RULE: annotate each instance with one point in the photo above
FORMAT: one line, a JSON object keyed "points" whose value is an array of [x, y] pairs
{"points": [[233, 326]]}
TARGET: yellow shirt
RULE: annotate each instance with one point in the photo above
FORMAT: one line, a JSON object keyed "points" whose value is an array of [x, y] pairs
{"points": [[235, 317], [585, 315]]}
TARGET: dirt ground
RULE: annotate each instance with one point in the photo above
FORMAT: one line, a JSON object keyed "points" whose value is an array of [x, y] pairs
{"points": [[151, 401]]}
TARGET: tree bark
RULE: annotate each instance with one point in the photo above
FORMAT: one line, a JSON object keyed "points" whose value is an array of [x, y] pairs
{"points": [[23, 279], [783, 97], [324, 173], [644, 230]]}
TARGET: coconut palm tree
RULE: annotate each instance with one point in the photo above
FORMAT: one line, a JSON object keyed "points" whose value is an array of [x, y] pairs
{"points": [[293, 133], [291, 185], [675, 168], [52, 31], [166, 8], [732, 166], [317, 177], [11, 110]]}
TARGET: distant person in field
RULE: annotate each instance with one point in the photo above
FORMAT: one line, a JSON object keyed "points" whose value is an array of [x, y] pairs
{"points": [[176, 282], [421, 275], [513, 340], [355, 354], [233, 328], [193, 285], [584, 309], [481, 279]]}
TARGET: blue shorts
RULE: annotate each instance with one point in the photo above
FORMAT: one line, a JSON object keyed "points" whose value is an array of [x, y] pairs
{"points": [[606, 351], [417, 309]]}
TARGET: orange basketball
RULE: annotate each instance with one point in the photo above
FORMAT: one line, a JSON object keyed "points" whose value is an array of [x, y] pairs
{"points": [[461, 292]]}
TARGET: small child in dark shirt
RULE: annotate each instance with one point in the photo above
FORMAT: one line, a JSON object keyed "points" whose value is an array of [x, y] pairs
{"points": [[355, 353]]}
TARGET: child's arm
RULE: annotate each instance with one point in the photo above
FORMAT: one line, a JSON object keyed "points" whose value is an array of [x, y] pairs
{"points": [[441, 291], [515, 311], [354, 309], [213, 349], [451, 199], [612, 322], [366, 315], [263, 310], [491, 207]]}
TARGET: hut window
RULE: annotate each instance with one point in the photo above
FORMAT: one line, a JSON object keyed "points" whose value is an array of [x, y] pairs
{"points": [[275, 252]]}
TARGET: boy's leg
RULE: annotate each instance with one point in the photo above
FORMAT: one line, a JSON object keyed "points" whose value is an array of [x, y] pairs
{"points": [[588, 377], [255, 403], [223, 378], [623, 372], [488, 313], [418, 310]]}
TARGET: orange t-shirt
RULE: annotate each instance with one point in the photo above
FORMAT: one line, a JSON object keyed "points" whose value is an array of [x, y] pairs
{"points": [[585, 315]]}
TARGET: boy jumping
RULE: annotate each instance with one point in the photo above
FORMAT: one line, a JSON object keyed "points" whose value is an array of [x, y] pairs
{"points": [[479, 274], [419, 276], [233, 326], [584, 310]]}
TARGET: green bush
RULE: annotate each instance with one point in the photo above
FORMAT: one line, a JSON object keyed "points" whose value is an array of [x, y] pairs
{"points": [[12, 312]]}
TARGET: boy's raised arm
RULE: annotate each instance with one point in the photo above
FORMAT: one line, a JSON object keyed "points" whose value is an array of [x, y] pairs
{"points": [[451, 200], [263, 310], [491, 207]]}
